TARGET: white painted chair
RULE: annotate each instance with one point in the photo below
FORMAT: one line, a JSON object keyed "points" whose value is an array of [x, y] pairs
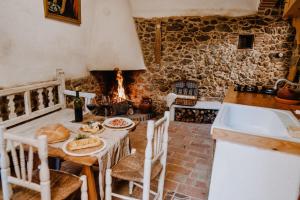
{"points": [[45, 185], [139, 170]]}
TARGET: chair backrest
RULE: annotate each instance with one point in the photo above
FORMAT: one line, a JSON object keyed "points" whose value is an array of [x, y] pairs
{"points": [[49, 95], [160, 134], [156, 150], [24, 170], [45, 94]]}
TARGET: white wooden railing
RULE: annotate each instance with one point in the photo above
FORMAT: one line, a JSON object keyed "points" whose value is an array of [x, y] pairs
{"points": [[26, 90]]}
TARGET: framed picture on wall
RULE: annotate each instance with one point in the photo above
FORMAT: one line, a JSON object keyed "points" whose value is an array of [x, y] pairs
{"points": [[63, 10]]}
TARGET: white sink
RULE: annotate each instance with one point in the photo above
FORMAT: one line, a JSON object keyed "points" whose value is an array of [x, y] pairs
{"points": [[256, 121]]}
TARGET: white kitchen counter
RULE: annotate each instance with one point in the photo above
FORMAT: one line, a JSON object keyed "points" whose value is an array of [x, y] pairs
{"points": [[255, 157]]}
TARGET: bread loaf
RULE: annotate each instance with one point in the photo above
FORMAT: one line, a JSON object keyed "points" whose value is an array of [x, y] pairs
{"points": [[54, 132], [84, 143]]}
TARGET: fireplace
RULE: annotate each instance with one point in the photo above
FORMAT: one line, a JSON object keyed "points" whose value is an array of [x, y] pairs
{"points": [[118, 94]]}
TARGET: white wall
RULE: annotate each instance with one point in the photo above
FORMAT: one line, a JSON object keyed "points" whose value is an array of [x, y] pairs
{"points": [[32, 47], [114, 41], [164, 8]]}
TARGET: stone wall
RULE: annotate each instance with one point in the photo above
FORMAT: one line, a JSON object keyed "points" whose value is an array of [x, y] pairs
{"points": [[204, 49]]}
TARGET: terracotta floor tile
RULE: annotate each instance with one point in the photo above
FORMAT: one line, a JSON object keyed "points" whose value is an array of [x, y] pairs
{"points": [[176, 177], [172, 148], [178, 169], [184, 156], [191, 191], [202, 185], [200, 175], [170, 185], [190, 165], [174, 160], [204, 198]]}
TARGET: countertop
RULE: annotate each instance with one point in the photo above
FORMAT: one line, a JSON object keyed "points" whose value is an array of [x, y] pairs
{"points": [[260, 100]]}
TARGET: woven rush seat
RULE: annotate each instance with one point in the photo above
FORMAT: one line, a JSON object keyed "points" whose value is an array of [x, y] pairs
{"points": [[131, 168], [62, 186]]}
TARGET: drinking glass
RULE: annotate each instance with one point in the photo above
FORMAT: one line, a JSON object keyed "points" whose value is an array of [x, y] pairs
{"points": [[92, 105], [105, 102]]}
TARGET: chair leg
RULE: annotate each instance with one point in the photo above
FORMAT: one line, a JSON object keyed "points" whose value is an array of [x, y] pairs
{"points": [[84, 194], [6, 187], [161, 182], [130, 187], [108, 189]]}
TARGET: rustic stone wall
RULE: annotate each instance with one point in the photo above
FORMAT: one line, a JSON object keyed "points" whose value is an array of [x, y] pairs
{"points": [[204, 49]]}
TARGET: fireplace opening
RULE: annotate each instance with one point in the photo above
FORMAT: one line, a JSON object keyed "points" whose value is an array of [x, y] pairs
{"points": [[109, 81], [119, 94]]}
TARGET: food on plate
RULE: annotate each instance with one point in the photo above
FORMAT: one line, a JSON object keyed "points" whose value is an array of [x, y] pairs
{"points": [[81, 136], [82, 142], [54, 132], [91, 127], [119, 122]]}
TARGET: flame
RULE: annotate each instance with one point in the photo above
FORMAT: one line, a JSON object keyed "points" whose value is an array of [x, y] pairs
{"points": [[120, 94]]}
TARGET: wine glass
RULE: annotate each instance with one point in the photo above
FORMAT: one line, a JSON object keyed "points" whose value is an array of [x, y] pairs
{"points": [[92, 105], [105, 102]]}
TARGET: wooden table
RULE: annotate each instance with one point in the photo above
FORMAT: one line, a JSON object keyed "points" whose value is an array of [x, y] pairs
{"points": [[64, 117], [260, 100]]}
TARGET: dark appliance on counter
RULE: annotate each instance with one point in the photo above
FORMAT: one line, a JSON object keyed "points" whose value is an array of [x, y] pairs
{"points": [[256, 89]]}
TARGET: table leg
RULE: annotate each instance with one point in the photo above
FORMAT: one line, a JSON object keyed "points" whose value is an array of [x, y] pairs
{"points": [[92, 191]]}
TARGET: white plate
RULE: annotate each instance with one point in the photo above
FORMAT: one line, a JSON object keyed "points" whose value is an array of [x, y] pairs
{"points": [[108, 121], [64, 148], [119, 129]]}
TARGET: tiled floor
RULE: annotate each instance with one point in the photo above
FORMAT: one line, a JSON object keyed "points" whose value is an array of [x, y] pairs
{"points": [[190, 155]]}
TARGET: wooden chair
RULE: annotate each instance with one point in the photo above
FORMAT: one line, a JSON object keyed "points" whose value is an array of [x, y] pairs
{"points": [[138, 169], [32, 184]]}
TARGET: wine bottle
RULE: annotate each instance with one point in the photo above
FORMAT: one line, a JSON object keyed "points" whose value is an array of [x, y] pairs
{"points": [[78, 108]]}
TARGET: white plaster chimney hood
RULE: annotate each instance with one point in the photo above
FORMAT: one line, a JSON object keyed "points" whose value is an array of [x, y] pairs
{"points": [[113, 40]]}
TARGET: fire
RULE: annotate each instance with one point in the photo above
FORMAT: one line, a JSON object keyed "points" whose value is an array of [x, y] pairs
{"points": [[120, 93]]}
